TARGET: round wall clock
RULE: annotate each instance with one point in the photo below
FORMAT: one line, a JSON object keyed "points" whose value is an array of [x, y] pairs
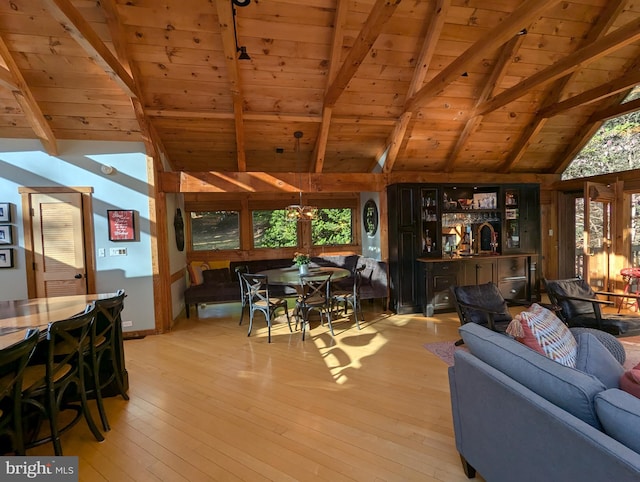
{"points": [[370, 217]]}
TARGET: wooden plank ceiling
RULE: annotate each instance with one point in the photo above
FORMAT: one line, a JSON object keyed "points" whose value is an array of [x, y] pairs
{"points": [[374, 85]]}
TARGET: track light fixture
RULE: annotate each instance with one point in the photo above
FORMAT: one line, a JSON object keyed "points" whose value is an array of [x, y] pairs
{"points": [[242, 49]]}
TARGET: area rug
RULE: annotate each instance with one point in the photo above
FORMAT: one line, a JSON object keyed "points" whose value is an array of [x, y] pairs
{"points": [[445, 350], [632, 349]]}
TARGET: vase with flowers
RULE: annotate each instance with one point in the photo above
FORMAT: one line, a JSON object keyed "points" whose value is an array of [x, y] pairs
{"points": [[302, 261]]}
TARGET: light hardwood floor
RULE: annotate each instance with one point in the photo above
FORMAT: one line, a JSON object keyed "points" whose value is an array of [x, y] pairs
{"points": [[209, 403]]}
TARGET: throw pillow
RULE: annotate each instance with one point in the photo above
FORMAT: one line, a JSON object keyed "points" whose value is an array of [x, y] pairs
{"points": [[630, 381], [219, 264], [595, 359], [195, 269], [541, 330]]}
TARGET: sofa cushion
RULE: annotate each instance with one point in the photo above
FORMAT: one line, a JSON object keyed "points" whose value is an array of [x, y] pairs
{"points": [[594, 358], [540, 329], [220, 275], [619, 414], [566, 387]]}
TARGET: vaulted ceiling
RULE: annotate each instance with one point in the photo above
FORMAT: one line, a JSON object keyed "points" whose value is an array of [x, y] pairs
{"points": [[373, 85]]}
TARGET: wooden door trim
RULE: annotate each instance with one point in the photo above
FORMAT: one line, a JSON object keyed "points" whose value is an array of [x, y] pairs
{"points": [[87, 220]]}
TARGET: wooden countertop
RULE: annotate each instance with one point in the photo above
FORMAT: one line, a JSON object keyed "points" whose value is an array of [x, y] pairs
{"points": [[471, 258]]}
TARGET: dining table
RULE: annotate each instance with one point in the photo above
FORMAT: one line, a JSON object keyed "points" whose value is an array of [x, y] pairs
{"points": [[17, 316], [290, 276]]}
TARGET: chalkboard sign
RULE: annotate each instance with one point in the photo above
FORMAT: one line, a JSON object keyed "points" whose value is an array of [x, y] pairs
{"points": [[121, 225]]}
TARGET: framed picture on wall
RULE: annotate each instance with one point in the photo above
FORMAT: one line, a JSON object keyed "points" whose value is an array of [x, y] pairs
{"points": [[6, 258], [5, 213], [122, 226], [5, 235]]}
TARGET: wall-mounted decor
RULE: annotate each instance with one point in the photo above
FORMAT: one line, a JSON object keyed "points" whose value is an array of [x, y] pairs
{"points": [[178, 225], [5, 213], [5, 235], [6, 258], [370, 217], [121, 225]]}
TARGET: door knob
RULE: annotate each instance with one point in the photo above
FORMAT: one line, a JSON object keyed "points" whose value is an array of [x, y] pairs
{"points": [[78, 276]]}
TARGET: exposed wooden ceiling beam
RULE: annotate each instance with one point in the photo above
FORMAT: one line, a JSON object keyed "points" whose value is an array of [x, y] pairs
{"points": [[434, 30], [28, 103], [73, 22], [619, 38], [226, 19], [321, 141], [7, 80], [320, 148], [556, 89], [590, 127], [261, 117], [506, 56], [495, 37], [615, 111], [592, 95], [292, 182], [150, 138], [587, 131], [436, 23], [380, 13], [395, 141]]}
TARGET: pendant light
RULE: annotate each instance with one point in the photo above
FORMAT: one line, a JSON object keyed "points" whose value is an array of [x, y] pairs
{"points": [[295, 212]]}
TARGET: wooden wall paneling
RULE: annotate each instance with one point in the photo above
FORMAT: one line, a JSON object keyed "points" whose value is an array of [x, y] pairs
{"points": [[549, 234], [621, 236]]}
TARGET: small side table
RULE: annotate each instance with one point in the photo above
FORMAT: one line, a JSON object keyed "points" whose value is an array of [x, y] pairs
{"points": [[631, 277]]}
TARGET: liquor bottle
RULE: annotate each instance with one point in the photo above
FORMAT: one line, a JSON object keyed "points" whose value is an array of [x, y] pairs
{"points": [[427, 241]]}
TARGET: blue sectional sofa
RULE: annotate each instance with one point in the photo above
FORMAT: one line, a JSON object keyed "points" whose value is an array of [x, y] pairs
{"points": [[518, 415], [222, 286]]}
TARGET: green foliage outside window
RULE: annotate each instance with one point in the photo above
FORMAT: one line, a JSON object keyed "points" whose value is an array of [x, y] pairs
{"points": [[272, 230], [332, 227]]}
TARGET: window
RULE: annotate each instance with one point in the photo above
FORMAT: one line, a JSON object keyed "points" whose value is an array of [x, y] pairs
{"points": [[635, 230], [215, 230], [272, 230], [333, 226]]}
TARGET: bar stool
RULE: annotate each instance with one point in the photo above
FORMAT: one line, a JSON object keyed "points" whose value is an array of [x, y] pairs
{"points": [[13, 361], [631, 277], [52, 384]]}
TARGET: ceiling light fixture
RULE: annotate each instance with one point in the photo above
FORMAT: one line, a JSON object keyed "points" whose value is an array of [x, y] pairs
{"points": [[295, 212], [242, 49]]}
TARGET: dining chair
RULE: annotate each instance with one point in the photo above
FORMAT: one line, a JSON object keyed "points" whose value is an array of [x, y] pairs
{"points": [[13, 361], [107, 360], [351, 297], [315, 296], [257, 288], [244, 294], [49, 379]]}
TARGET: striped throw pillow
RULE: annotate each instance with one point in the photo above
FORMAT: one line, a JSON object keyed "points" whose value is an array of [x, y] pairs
{"points": [[540, 329]]}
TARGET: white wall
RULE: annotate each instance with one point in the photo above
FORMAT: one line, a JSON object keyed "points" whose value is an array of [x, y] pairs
{"points": [[370, 244], [24, 163]]}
